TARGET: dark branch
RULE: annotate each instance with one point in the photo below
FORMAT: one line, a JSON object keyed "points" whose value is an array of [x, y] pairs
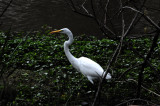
{"points": [[140, 77], [6, 8], [145, 17]]}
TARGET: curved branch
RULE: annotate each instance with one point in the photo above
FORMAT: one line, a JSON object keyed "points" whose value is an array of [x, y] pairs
{"points": [[145, 17]]}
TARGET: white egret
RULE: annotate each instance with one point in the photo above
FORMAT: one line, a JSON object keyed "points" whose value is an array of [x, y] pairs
{"points": [[86, 66]]}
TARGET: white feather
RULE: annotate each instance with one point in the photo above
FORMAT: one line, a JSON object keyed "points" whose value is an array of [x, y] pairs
{"points": [[86, 66]]}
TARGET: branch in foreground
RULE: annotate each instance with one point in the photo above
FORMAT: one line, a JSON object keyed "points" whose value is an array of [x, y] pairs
{"points": [[112, 60], [136, 99], [144, 64], [74, 8], [145, 88], [128, 70], [145, 17], [6, 8]]}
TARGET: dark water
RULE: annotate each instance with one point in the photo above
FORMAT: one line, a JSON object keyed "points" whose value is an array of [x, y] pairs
{"points": [[32, 14], [26, 15]]}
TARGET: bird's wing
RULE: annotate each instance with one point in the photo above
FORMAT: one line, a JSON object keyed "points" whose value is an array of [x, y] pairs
{"points": [[90, 68]]}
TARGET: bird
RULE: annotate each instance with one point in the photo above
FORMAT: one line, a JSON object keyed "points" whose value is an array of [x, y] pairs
{"points": [[86, 66]]}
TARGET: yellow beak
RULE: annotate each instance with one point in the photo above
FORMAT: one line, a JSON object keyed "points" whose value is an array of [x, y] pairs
{"points": [[55, 31]]}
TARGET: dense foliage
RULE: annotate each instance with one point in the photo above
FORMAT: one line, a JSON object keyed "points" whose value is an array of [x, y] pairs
{"points": [[42, 74]]}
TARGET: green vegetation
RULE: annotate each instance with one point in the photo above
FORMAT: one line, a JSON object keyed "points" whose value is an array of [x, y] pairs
{"points": [[40, 73]]}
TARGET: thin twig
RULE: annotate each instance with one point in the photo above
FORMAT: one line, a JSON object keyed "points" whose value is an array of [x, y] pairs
{"points": [[6, 8], [24, 38], [111, 61], [145, 17], [145, 88], [105, 13], [78, 12], [84, 7], [130, 45], [129, 69], [136, 99]]}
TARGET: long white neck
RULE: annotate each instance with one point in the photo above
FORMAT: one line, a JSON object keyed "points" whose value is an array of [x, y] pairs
{"points": [[70, 57]]}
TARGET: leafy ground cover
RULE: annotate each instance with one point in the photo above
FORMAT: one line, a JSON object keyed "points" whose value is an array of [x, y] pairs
{"points": [[37, 70]]}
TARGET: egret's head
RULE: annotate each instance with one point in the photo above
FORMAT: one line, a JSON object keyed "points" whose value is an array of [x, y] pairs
{"points": [[63, 30]]}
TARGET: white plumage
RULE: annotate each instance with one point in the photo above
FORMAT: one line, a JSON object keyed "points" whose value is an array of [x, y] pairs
{"points": [[86, 66]]}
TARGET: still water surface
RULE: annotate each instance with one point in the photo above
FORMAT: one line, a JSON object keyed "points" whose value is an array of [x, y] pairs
{"points": [[26, 15], [32, 14]]}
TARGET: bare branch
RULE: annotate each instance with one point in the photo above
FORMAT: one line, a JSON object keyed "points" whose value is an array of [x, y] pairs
{"points": [[136, 99], [146, 17], [106, 19], [123, 23], [131, 25], [145, 88], [105, 14], [111, 61], [78, 12], [84, 7], [6, 8], [140, 77], [129, 69]]}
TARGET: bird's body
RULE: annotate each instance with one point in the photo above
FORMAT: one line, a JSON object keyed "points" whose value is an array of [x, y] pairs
{"points": [[86, 66], [91, 69]]}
